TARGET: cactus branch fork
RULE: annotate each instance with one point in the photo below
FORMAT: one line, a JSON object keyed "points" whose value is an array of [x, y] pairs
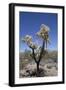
{"points": [[44, 35]]}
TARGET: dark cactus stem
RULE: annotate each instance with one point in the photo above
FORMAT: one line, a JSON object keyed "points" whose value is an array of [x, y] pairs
{"points": [[40, 57], [46, 44], [38, 62], [37, 70], [34, 55], [42, 50]]}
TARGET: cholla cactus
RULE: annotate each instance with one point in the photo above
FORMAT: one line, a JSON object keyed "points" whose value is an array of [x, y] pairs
{"points": [[37, 51], [44, 28], [32, 45], [28, 39], [43, 33]]}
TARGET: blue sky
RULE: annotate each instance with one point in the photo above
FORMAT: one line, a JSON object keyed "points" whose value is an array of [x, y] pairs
{"points": [[30, 23]]}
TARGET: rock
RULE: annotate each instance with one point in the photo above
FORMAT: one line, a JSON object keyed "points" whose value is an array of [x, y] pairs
{"points": [[23, 73], [50, 69]]}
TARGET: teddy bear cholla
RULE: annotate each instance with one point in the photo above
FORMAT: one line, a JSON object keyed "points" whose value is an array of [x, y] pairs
{"points": [[43, 33]]}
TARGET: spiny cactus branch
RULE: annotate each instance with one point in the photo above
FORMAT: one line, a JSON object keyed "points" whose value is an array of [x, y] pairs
{"points": [[34, 55], [42, 50]]}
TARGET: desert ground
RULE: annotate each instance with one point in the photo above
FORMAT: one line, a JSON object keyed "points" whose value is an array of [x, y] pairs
{"points": [[48, 65]]}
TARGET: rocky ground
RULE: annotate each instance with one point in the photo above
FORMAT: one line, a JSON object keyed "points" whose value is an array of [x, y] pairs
{"points": [[47, 68], [48, 65]]}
